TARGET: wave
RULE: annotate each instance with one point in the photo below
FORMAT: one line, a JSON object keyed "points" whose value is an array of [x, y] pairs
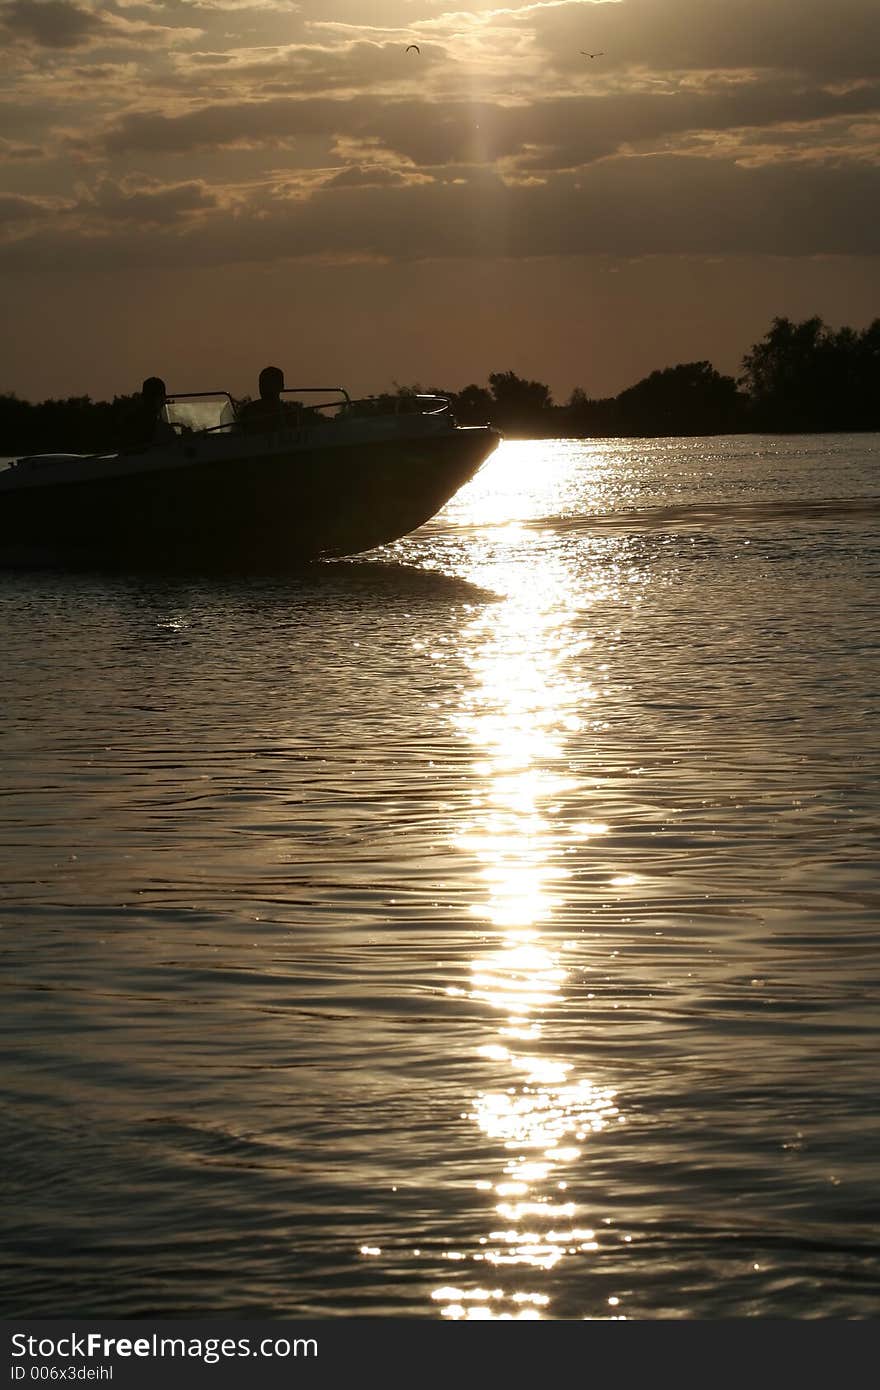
{"points": [[708, 515]]}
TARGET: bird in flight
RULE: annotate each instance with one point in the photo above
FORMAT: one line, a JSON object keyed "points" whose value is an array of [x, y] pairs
{"points": [[413, 46], [593, 55]]}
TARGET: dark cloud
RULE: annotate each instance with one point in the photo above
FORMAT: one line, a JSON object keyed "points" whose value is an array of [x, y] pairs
{"points": [[248, 122], [13, 151], [14, 207], [49, 23], [569, 131], [629, 206], [577, 128], [155, 204], [46, 31], [302, 68]]}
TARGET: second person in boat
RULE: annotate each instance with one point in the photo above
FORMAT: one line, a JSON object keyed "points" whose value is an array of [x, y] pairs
{"points": [[269, 413]]}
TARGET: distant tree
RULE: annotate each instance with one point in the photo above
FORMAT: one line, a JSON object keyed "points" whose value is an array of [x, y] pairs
{"points": [[519, 404], [75, 425], [584, 417], [867, 379], [692, 398], [782, 372], [806, 376], [473, 405]]}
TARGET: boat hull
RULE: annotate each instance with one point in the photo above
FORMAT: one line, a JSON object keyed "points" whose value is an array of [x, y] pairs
{"points": [[260, 510]]}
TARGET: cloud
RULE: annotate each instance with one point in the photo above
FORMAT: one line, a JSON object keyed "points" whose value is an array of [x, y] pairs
{"points": [[55, 27], [14, 207], [13, 151], [567, 131], [50, 23], [148, 202], [230, 124], [300, 68], [679, 36], [503, 84], [631, 207], [745, 126], [227, 7], [364, 176], [671, 37]]}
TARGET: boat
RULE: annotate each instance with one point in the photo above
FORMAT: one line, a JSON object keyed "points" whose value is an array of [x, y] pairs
{"points": [[331, 477]]}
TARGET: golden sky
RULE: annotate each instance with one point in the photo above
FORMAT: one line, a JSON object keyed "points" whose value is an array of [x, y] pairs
{"points": [[197, 187]]}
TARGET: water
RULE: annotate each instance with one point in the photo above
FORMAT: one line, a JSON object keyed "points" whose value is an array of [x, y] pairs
{"points": [[486, 928]]}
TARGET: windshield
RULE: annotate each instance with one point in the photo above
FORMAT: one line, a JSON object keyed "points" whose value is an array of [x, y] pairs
{"points": [[211, 411]]}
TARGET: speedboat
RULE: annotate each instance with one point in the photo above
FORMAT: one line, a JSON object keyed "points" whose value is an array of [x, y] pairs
{"points": [[326, 477]]}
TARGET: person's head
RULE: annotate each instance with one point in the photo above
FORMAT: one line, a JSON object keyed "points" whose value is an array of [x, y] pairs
{"points": [[153, 390], [271, 383]]}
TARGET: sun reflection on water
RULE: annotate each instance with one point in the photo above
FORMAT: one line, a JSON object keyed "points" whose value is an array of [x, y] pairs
{"points": [[533, 689]]}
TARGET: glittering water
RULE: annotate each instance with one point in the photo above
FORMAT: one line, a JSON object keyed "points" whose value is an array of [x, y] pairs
{"points": [[485, 928]]}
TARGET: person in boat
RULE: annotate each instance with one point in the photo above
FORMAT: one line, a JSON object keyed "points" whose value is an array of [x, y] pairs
{"points": [[269, 412], [145, 424]]}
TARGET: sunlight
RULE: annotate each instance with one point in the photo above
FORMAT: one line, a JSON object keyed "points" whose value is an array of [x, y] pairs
{"points": [[533, 682], [524, 481]]}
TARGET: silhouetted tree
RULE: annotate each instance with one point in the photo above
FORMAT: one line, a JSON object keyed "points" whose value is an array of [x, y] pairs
{"points": [[75, 425], [584, 417], [781, 374], [473, 405], [520, 404], [867, 379], [804, 376], [691, 398]]}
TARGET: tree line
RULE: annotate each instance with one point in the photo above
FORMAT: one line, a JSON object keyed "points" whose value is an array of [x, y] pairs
{"points": [[801, 377]]}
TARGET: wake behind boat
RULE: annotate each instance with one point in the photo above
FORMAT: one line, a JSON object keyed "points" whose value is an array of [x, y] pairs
{"points": [[333, 477]]}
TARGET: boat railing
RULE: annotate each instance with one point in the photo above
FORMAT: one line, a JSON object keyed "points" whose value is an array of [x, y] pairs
{"points": [[365, 407], [215, 412], [301, 412], [402, 403]]}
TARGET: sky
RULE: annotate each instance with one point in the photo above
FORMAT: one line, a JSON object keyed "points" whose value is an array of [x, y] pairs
{"points": [[196, 188]]}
